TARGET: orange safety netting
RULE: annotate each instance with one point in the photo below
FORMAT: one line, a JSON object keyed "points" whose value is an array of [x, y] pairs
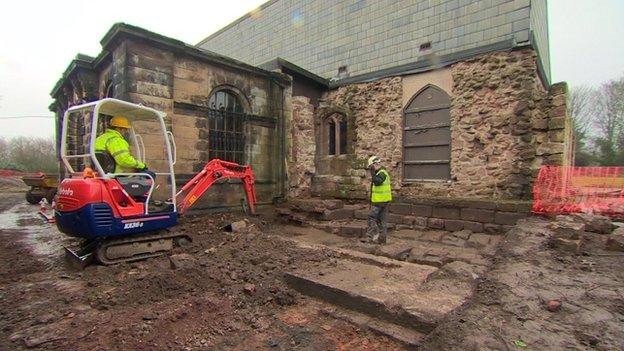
{"points": [[14, 173], [597, 190]]}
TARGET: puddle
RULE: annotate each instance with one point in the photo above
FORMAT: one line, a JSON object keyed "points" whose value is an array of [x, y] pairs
{"points": [[42, 239]]}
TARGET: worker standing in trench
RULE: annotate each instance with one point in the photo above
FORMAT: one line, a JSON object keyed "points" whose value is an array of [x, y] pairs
{"points": [[381, 196]]}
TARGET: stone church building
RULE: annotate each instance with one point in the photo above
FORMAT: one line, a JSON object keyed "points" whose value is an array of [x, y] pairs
{"points": [[454, 95]]}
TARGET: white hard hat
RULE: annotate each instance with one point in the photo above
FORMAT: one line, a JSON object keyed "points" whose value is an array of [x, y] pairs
{"points": [[371, 160]]}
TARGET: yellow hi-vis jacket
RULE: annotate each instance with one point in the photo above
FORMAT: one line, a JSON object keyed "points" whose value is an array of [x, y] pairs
{"points": [[383, 192], [114, 143]]}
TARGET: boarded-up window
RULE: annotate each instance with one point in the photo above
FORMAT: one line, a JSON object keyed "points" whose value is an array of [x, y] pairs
{"points": [[427, 136]]}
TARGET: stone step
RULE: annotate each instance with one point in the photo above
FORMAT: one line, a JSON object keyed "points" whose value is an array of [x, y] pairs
{"points": [[390, 290], [426, 248], [411, 338], [345, 228]]}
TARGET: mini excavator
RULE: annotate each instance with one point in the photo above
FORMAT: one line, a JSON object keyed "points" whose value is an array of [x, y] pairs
{"points": [[117, 214]]}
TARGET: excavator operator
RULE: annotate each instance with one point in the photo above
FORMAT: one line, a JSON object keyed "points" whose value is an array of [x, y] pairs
{"points": [[113, 142]]}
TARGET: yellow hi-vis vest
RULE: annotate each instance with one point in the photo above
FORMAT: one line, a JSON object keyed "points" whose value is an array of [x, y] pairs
{"points": [[114, 143], [383, 192]]}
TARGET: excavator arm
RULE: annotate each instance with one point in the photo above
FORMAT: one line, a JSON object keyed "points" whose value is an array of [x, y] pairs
{"points": [[213, 171]]}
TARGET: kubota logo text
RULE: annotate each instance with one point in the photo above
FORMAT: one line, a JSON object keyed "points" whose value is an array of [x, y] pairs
{"points": [[65, 191], [133, 225]]}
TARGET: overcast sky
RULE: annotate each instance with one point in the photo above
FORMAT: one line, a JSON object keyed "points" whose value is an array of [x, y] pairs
{"points": [[38, 39]]}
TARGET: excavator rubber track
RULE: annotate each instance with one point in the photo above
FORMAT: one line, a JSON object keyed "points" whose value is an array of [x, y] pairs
{"points": [[126, 249], [136, 248]]}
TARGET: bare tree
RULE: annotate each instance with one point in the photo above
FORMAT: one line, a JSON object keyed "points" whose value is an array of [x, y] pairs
{"points": [[610, 121], [583, 109], [29, 154], [4, 152]]}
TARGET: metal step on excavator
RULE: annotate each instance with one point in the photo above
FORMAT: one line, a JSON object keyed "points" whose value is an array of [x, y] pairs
{"points": [[118, 215]]}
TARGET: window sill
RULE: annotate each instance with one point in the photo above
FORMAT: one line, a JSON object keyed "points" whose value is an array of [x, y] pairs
{"points": [[337, 156]]}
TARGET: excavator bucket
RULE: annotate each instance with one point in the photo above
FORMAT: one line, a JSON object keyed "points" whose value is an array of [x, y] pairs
{"points": [[81, 258]]}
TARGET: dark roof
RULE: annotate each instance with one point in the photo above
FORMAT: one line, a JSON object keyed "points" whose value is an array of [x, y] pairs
{"points": [[279, 63], [123, 30], [425, 64]]}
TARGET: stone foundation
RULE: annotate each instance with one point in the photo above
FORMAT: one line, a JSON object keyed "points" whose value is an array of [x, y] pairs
{"points": [[453, 214], [449, 214]]}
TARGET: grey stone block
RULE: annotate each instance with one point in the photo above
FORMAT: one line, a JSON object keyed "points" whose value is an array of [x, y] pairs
{"points": [[522, 36], [453, 225], [520, 25], [508, 218], [477, 215], [475, 227], [518, 15], [445, 212]]}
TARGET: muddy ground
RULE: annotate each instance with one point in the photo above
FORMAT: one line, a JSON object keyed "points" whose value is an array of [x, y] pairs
{"points": [[226, 292], [510, 307]]}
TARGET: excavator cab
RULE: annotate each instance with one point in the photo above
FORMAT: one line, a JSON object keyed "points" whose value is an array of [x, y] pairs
{"points": [[122, 217], [84, 123]]}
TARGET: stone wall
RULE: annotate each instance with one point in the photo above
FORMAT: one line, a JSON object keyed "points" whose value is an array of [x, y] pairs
{"points": [[504, 126], [374, 114], [303, 148], [181, 86]]}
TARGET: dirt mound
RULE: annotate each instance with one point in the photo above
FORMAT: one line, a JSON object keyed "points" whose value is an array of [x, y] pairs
{"points": [[13, 184]]}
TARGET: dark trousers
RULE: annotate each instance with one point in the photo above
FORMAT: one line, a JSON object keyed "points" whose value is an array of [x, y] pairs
{"points": [[378, 222]]}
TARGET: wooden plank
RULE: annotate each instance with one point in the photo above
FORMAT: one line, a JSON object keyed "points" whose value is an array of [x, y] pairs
{"points": [[427, 135], [427, 162], [425, 118], [427, 172], [427, 153]]}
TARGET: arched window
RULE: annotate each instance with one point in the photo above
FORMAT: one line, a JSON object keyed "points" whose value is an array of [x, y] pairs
{"points": [[109, 89], [225, 100], [427, 136], [335, 134], [226, 133]]}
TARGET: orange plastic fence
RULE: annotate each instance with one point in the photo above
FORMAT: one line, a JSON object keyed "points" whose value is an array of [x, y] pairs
{"points": [[14, 173], [559, 190]]}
